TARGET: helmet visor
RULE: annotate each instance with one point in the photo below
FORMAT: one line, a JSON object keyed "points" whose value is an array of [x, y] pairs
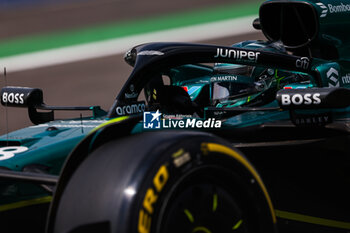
{"points": [[233, 69], [228, 88], [226, 91]]}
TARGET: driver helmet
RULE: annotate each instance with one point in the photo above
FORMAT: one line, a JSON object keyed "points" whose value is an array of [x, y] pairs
{"points": [[235, 85]]}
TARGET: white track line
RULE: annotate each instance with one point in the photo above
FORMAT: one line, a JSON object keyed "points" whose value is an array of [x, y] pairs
{"points": [[104, 48]]}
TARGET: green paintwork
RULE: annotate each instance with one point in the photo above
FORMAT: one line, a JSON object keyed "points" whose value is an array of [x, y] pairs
{"points": [[49, 144], [41, 142]]}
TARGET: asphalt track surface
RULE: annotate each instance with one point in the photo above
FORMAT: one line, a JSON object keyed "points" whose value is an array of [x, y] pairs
{"points": [[89, 82]]}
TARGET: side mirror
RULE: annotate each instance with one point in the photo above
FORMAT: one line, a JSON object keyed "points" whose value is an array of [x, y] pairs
{"points": [[256, 24], [32, 98], [21, 97], [314, 98], [26, 97]]}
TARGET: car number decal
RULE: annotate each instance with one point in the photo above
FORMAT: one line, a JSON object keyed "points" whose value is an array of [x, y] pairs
{"points": [[10, 151]]}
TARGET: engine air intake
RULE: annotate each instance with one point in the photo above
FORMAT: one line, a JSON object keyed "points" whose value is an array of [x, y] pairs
{"points": [[293, 23]]}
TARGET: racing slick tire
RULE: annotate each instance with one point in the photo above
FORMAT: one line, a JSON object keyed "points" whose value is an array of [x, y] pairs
{"points": [[165, 182]]}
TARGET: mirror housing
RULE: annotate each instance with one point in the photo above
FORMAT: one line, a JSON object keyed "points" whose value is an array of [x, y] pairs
{"points": [[32, 99], [256, 24], [21, 97]]}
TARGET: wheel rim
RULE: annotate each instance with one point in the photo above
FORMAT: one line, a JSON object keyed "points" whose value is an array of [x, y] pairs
{"points": [[202, 203]]}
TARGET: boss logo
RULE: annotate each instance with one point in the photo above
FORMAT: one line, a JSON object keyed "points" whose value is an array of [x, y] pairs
{"points": [[299, 99], [302, 63], [12, 98], [130, 109]]}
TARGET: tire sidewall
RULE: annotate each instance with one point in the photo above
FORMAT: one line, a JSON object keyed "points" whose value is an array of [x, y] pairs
{"points": [[173, 165]]}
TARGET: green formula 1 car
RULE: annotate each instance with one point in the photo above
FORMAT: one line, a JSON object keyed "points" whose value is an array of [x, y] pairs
{"points": [[201, 138]]}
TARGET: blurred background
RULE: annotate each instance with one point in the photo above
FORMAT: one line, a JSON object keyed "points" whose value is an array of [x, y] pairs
{"points": [[73, 49]]}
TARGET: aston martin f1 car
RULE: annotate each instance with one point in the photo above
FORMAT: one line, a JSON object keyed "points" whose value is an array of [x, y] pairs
{"points": [[202, 138]]}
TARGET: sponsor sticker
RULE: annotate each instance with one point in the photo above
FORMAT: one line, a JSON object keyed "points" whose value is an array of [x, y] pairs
{"points": [[150, 53], [311, 119], [223, 78], [130, 109], [331, 9], [237, 54], [12, 98], [333, 77], [132, 94], [323, 8], [346, 79], [300, 99], [339, 8], [302, 63], [193, 89]]}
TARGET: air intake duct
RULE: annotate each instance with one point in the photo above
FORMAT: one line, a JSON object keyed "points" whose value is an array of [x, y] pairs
{"points": [[302, 23]]}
